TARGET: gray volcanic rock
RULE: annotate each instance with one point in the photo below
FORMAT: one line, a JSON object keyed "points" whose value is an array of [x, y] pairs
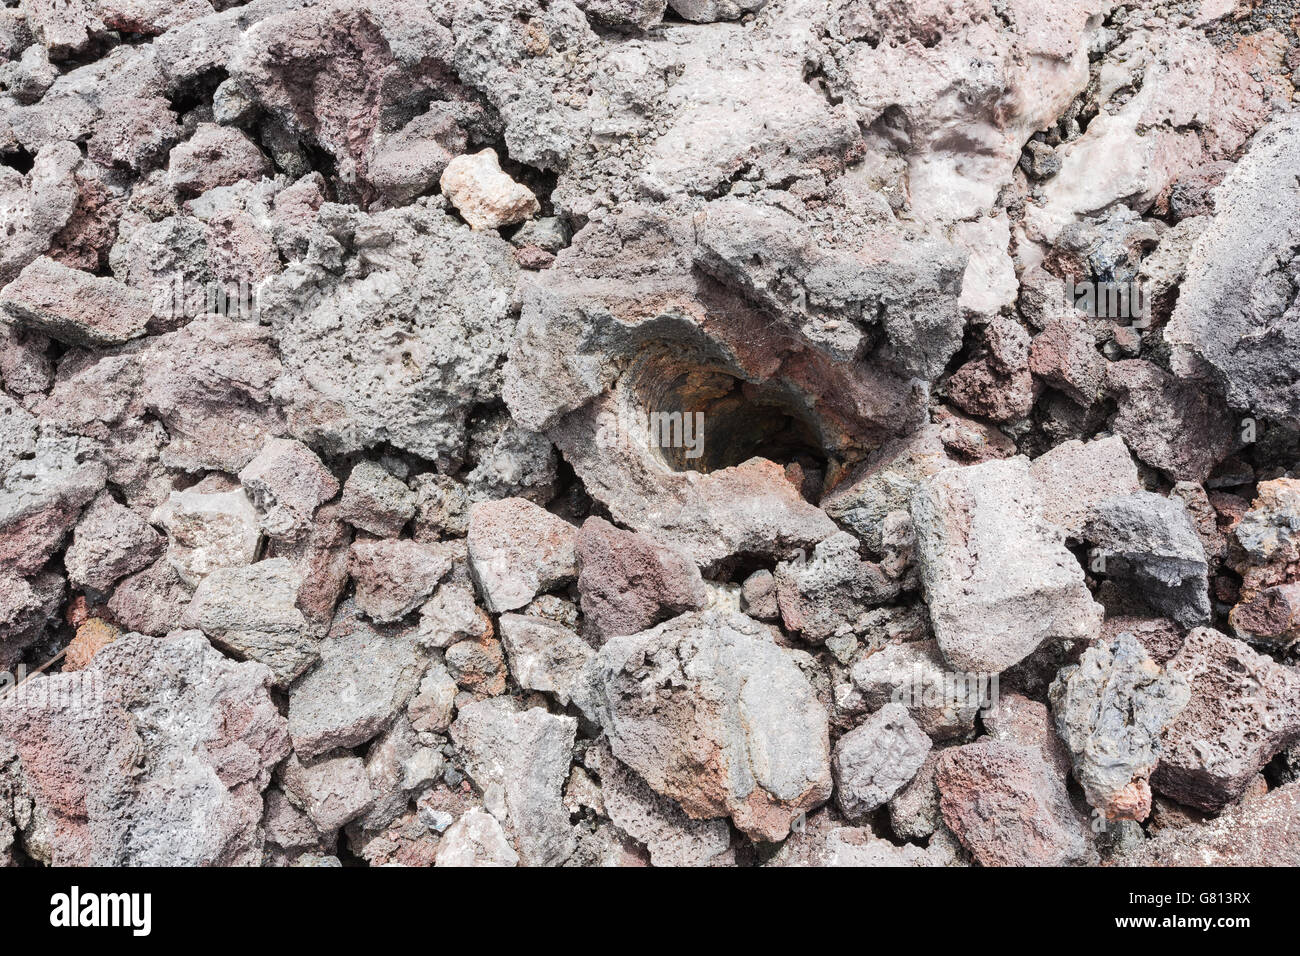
{"points": [[716, 716], [572, 417], [997, 575], [1110, 710], [161, 707], [450, 316], [876, 759], [365, 677], [1237, 321], [1151, 539]]}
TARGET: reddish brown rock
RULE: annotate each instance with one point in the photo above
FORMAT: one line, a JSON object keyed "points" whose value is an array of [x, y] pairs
{"points": [[1269, 616], [287, 483], [322, 557], [74, 306], [1170, 424], [395, 577], [1259, 831], [215, 156], [518, 550], [1244, 708], [196, 733], [478, 666], [998, 385], [629, 582], [152, 601], [1065, 356], [93, 635], [1009, 807]]}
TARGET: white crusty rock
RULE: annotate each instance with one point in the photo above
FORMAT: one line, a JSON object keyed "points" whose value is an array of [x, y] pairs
{"points": [[547, 656], [524, 756], [997, 575], [484, 195], [208, 530], [476, 839]]}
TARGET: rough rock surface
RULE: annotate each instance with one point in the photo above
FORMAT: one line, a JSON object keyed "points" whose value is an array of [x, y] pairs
{"points": [[716, 716], [1110, 710], [876, 759], [997, 576], [1008, 807], [1244, 708], [580, 419], [199, 732]]}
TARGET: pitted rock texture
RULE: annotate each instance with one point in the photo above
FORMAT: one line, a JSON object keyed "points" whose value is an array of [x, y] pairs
{"points": [[648, 432]]}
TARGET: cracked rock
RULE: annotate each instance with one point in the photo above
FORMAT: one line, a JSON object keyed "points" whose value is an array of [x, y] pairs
{"points": [[713, 714], [1110, 710], [997, 575]]}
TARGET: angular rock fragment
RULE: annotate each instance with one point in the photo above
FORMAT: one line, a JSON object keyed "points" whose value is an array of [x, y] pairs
{"points": [[365, 677], [445, 296], [546, 656], [942, 702], [672, 838], [824, 844], [630, 582], [1151, 539], [207, 530], [109, 542], [1110, 710], [885, 483], [200, 733], [1009, 807], [214, 156], [375, 501], [151, 601], [914, 810], [997, 576], [478, 666], [1235, 322], [1169, 423], [525, 756], [450, 616], [517, 550], [824, 595], [1075, 477], [476, 839], [395, 577], [331, 791], [210, 384], [713, 714], [287, 483], [74, 306], [252, 612], [876, 759], [1259, 831], [1244, 708]]}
